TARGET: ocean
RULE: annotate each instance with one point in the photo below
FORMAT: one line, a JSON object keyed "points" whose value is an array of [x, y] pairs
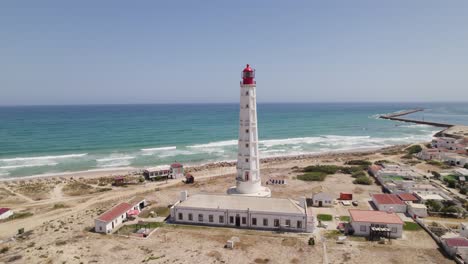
{"points": [[36, 140]]}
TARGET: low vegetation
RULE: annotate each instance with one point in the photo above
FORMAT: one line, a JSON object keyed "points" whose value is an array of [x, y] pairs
{"points": [[359, 162], [312, 176], [413, 149], [327, 169], [345, 218], [59, 206], [411, 226], [36, 191], [324, 217], [363, 180], [320, 172], [438, 164], [359, 174], [76, 188]]}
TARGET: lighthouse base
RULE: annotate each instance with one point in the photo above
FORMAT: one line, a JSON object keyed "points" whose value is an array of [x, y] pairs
{"points": [[261, 192]]}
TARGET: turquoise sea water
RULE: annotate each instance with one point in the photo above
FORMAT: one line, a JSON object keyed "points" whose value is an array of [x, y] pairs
{"points": [[52, 139]]}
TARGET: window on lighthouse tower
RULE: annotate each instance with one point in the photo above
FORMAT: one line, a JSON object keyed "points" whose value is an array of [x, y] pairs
{"points": [[246, 175]]}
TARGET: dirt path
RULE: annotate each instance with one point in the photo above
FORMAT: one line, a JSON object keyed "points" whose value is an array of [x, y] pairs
{"points": [[18, 194], [57, 192], [9, 229]]}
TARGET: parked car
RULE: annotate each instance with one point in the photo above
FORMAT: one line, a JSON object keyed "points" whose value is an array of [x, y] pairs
{"points": [[355, 203]]}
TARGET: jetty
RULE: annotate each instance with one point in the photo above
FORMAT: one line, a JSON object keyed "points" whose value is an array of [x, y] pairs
{"points": [[397, 116]]}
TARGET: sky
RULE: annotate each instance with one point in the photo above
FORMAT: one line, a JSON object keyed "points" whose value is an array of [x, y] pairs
{"points": [[116, 52]]}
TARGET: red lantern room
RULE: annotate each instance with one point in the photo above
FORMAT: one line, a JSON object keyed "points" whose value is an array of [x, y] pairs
{"points": [[248, 75]]}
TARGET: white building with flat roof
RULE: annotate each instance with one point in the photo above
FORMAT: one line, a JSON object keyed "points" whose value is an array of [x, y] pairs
{"points": [[374, 224], [243, 212]]}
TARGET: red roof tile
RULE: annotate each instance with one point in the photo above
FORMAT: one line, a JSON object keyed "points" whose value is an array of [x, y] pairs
{"points": [[176, 165], [115, 212], [4, 210], [457, 242], [370, 216], [408, 197], [383, 198]]}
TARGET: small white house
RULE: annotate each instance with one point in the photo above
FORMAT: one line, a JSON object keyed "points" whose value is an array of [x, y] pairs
{"points": [[321, 198], [389, 203], [112, 219], [5, 213], [118, 214], [374, 224], [417, 209]]}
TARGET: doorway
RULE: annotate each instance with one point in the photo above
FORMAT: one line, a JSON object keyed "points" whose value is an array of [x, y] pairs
{"points": [[320, 204], [237, 220]]}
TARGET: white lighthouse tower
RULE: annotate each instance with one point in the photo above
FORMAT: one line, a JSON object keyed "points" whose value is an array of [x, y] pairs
{"points": [[248, 178]]}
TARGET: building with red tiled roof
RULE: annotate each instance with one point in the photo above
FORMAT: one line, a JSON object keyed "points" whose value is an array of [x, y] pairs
{"points": [[5, 213], [456, 246], [408, 197], [118, 214], [388, 202], [364, 222]]}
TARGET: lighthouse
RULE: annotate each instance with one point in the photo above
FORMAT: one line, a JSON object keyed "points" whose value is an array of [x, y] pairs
{"points": [[248, 180]]}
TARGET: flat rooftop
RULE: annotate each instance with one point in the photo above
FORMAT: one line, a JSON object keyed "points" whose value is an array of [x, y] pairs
{"points": [[431, 197], [233, 202], [379, 217]]}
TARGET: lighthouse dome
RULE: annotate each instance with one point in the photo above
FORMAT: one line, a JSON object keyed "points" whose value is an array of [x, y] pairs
{"points": [[248, 75]]}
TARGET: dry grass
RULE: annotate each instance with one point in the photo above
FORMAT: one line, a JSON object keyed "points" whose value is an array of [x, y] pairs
{"points": [[76, 188], [36, 191]]}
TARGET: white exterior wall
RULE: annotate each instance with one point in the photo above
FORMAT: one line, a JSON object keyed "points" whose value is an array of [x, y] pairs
{"points": [[248, 215], [358, 232], [103, 227], [325, 198], [419, 212], [248, 169], [397, 208], [6, 214]]}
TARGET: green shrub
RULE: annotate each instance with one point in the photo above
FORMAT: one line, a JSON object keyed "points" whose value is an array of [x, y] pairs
{"points": [[466, 166], [312, 176], [345, 218], [436, 174], [4, 249], [324, 217], [463, 190], [327, 169], [407, 156], [438, 164], [411, 226], [433, 205], [359, 162], [413, 149], [359, 174], [352, 169], [364, 180]]}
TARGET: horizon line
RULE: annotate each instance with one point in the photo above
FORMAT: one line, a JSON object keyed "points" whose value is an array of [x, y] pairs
{"points": [[234, 102]]}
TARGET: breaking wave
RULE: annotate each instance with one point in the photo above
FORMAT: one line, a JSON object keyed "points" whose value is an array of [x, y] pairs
{"points": [[44, 157]]}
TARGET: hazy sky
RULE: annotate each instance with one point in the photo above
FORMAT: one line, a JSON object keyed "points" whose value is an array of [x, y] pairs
{"points": [[89, 52]]}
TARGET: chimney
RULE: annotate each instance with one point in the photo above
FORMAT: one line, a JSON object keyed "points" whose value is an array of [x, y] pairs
{"points": [[183, 195]]}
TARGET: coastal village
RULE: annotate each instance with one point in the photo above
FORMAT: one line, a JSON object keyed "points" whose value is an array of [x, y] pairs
{"points": [[330, 208]]}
